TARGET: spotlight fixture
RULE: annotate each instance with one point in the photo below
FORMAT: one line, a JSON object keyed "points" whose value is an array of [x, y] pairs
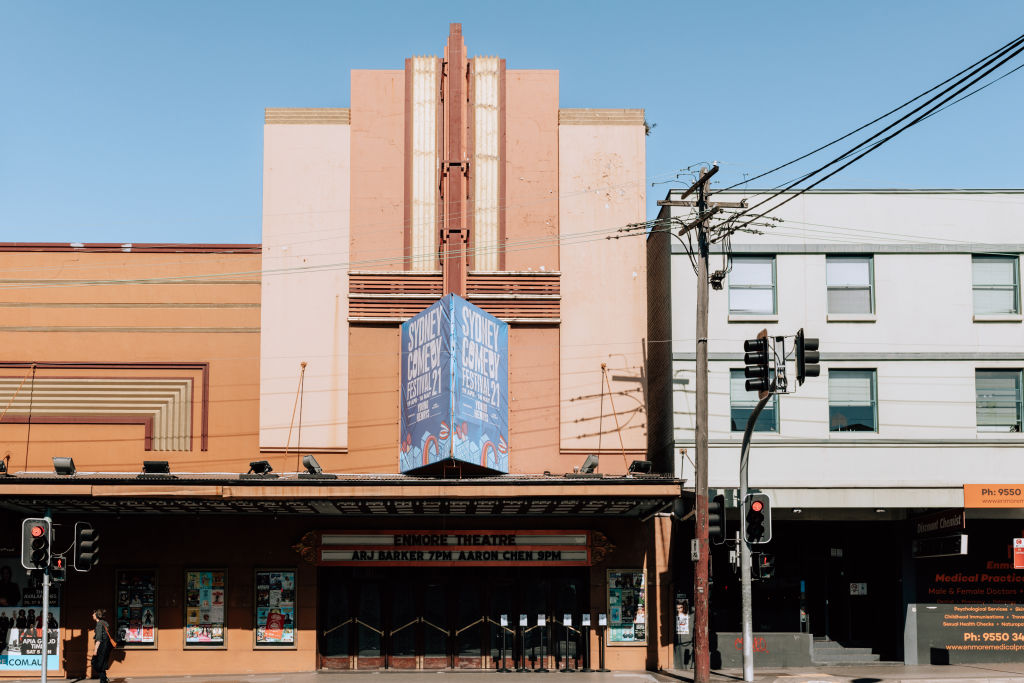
{"points": [[259, 469], [590, 464], [3, 466], [64, 466], [313, 469], [640, 467], [156, 469]]}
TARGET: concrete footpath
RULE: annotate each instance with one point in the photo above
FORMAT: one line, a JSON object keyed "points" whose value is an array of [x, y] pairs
{"points": [[874, 673], [871, 673]]}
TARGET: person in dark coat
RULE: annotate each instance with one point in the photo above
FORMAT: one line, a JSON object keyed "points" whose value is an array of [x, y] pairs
{"points": [[102, 645]]}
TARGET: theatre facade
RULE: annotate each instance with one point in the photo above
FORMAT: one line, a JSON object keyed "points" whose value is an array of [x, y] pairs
{"points": [[377, 424]]}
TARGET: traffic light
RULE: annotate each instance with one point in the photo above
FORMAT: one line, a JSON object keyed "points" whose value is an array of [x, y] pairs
{"points": [[756, 360], [87, 546], [758, 515], [35, 543], [716, 519], [58, 567], [765, 565], [807, 357]]}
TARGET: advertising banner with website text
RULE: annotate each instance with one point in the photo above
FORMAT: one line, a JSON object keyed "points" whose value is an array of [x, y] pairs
{"points": [[21, 620]]}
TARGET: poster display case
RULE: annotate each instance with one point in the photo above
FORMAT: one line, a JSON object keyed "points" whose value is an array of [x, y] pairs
{"points": [[205, 608], [627, 607], [275, 616], [136, 617]]}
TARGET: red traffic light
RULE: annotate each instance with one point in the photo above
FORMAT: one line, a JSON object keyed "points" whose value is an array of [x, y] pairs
{"points": [[757, 506], [38, 531]]}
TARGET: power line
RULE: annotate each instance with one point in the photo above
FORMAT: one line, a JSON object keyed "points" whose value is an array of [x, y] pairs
{"points": [[988, 64], [883, 116]]}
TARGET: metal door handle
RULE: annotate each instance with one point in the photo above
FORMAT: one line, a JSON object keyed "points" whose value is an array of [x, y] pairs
{"points": [[375, 630], [335, 628], [467, 626]]}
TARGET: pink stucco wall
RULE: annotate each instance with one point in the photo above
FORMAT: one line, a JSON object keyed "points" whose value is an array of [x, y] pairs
{"points": [[305, 312], [531, 170], [604, 313], [378, 169]]}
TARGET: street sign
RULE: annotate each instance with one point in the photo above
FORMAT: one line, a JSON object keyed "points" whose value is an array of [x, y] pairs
{"points": [[939, 547], [1018, 553]]}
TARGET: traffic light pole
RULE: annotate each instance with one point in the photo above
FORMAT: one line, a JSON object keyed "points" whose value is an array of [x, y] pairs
{"points": [[747, 614], [46, 609]]}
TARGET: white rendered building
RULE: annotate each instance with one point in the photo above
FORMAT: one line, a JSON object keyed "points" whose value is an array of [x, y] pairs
{"points": [[915, 297]]}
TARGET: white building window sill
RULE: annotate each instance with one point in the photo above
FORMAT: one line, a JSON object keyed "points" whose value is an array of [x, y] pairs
{"points": [[1005, 318], [853, 436], [851, 317], [753, 317]]}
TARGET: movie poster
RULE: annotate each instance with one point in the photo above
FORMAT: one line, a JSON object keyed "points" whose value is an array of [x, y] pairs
{"points": [[135, 618], [205, 603], [21, 620], [627, 607], [275, 607]]}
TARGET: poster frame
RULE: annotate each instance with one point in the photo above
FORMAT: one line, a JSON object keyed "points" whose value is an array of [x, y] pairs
{"points": [[294, 645], [156, 607], [608, 597], [184, 610]]}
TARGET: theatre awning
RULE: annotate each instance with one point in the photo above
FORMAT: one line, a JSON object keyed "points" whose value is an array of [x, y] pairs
{"points": [[348, 495]]}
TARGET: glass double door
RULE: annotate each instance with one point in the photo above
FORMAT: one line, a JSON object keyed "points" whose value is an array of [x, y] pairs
{"points": [[421, 618]]}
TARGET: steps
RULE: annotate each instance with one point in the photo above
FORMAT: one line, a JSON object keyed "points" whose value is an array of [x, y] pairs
{"points": [[829, 652]]}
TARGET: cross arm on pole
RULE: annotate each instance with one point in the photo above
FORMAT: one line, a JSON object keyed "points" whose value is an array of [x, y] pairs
{"points": [[704, 176], [693, 202]]}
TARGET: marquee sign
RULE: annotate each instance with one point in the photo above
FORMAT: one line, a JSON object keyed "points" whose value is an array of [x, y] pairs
{"points": [[454, 390], [455, 548]]}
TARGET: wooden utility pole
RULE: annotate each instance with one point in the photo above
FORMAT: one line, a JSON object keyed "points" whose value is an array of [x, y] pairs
{"points": [[702, 663], [701, 645]]}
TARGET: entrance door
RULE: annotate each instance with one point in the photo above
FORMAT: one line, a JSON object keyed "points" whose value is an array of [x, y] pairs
{"points": [[431, 619], [435, 629], [403, 627], [470, 627], [369, 626]]}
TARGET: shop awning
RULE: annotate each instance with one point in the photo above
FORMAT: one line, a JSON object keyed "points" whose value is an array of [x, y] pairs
{"points": [[348, 495]]}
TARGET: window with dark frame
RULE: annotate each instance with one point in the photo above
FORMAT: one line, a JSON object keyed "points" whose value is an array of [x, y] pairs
{"points": [[743, 402], [752, 285], [998, 396], [852, 401], [850, 284], [996, 285]]}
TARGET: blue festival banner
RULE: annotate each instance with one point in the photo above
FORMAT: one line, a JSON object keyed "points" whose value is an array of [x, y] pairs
{"points": [[480, 387], [454, 392]]}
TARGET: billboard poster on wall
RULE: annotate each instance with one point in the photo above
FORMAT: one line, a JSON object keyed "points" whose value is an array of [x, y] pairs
{"points": [[275, 607], [204, 608], [454, 390], [21, 620], [136, 607], [627, 603]]}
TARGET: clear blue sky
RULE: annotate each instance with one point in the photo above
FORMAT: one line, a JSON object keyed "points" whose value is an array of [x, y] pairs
{"points": [[142, 121]]}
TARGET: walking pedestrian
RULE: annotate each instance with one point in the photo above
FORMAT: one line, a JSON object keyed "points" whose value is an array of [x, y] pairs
{"points": [[102, 645]]}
